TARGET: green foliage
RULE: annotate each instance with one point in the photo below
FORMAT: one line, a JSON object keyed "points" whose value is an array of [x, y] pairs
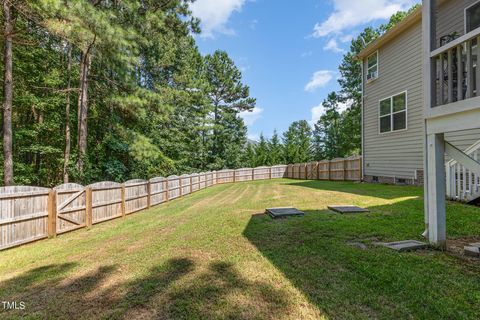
{"points": [[151, 95], [228, 96], [298, 142]]}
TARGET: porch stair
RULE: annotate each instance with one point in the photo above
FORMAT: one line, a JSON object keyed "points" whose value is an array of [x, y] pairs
{"points": [[463, 184]]}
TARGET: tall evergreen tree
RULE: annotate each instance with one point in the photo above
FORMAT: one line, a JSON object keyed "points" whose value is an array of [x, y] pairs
{"points": [[275, 150], [298, 142], [228, 96]]}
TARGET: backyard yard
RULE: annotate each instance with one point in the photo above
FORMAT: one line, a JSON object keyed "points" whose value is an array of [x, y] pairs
{"points": [[213, 254]]}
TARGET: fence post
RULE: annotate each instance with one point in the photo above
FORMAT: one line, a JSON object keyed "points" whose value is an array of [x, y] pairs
{"points": [[234, 174], [88, 206], [168, 192], [345, 165], [329, 165], [318, 170], [270, 173], [253, 174], [52, 214], [181, 187], [306, 169], [123, 200], [148, 194], [191, 183], [360, 169]]}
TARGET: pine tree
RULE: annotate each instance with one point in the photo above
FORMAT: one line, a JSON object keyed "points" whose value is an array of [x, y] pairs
{"points": [[275, 150], [298, 142]]}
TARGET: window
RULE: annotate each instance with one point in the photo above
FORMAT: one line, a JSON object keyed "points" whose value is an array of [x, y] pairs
{"points": [[372, 66], [393, 113], [472, 17]]}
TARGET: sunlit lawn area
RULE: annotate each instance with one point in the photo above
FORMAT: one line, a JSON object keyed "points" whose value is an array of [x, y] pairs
{"points": [[210, 255]]}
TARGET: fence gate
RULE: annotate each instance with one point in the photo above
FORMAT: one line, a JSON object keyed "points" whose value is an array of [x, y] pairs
{"points": [[71, 207]]}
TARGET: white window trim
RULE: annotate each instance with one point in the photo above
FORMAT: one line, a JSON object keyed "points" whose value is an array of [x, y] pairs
{"points": [[368, 69], [392, 113], [465, 16]]}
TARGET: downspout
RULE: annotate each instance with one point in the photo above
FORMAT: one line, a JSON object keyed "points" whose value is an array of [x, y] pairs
{"points": [[362, 151]]}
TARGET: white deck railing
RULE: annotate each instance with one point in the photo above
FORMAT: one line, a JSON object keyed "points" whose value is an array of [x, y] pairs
{"points": [[456, 74], [462, 184]]}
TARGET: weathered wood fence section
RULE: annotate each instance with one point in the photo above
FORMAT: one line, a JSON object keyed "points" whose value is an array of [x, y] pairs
{"points": [[349, 169], [32, 213]]}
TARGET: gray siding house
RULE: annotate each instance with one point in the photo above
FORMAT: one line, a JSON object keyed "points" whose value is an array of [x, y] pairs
{"points": [[393, 123]]}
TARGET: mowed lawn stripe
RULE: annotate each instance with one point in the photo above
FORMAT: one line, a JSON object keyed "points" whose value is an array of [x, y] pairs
{"points": [[209, 255]]}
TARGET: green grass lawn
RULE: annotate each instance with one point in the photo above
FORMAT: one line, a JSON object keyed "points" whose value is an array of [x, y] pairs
{"points": [[211, 255]]}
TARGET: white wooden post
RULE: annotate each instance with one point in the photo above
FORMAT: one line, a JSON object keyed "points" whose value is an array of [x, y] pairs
{"points": [[428, 34], [436, 189]]}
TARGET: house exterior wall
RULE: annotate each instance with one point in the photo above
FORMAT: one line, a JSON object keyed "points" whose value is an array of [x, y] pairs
{"points": [[451, 17], [395, 154], [397, 157]]}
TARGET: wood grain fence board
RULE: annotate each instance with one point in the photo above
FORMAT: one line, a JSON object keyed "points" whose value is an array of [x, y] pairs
{"points": [[24, 218]]}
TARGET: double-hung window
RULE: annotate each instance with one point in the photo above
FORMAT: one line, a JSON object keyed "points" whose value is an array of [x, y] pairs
{"points": [[372, 66], [472, 17], [393, 113]]}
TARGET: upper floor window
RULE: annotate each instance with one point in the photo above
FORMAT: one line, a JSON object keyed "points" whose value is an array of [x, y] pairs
{"points": [[472, 17], [393, 113], [372, 66]]}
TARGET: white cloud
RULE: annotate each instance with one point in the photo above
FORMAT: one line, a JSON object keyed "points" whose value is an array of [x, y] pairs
{"points": [[214, 15], [346, 38], [332, 45], [319, 80], [349, 14], [306, 54], [250, 117], [253, 136], [319, 110]]}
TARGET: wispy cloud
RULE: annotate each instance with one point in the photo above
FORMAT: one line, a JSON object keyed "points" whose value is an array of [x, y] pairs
{"points": [[332, 45], [214, 15], [306, 54], [253, 136], [349, 14], [319, 80], [250, 117], [318, 111]]}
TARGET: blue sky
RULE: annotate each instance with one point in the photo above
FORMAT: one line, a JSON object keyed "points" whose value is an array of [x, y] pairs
{"points": [[288, 51]]}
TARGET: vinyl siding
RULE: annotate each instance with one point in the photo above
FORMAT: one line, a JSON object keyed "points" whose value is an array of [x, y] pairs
{"points": [[399, 154], [451, 17]]}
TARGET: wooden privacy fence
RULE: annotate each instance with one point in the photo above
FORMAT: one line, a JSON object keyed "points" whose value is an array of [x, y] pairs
{"points": [[349, 169], [31, 213]]}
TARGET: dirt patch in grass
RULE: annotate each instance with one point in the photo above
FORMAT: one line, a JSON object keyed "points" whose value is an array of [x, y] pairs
{"points": [[455, 246]]}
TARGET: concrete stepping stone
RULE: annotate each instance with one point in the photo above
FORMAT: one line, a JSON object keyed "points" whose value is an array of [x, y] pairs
{"points": [[347, 209], [406, 245], [276, 213], [472, 251]]}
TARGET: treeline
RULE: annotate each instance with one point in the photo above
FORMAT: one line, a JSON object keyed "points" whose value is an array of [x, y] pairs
{"points": [[337, 134], [111, 90]]}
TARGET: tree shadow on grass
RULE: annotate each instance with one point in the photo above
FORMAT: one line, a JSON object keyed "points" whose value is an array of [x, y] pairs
{"points": [[215, 292], [176, 289], [346, 282], [363, 189]]}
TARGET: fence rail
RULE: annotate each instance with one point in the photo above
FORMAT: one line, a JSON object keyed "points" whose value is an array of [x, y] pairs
{"points": [[32, 213]]}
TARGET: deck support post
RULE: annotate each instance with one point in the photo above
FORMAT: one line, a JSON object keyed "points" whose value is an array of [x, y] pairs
{"points": [[435, 195]]}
